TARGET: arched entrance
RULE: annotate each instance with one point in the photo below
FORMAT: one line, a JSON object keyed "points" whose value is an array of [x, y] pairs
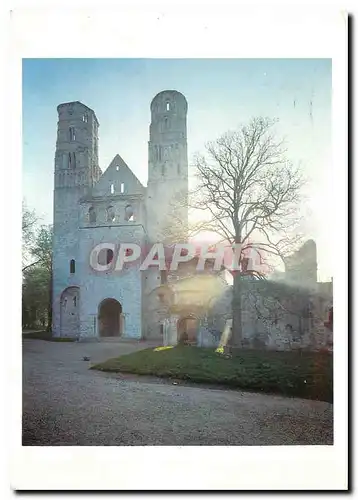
{"points": [[187, 328], [69, 312], [110, 323]]}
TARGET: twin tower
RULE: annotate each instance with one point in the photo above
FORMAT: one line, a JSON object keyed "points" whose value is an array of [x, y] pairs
{"points": [[77, 164], [113, 206]]}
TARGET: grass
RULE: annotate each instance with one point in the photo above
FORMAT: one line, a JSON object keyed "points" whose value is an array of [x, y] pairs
{"points": [[46, 336], [301, 374]]}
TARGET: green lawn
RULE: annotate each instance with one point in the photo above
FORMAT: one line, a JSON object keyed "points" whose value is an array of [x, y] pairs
{"points": [[307, 375], [46, 336]]}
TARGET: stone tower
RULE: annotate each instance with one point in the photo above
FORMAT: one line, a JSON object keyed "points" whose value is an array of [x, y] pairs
{"points": [[76, 170], [167, 189]]}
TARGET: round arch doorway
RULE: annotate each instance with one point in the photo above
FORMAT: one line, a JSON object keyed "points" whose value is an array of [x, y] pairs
{"points": [[187, 328], [110, 319]]}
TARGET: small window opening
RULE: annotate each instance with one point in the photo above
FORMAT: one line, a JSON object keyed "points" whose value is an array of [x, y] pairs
{"points": [[117, 167], [168, 106], [129, 213], [69, 160], [74, 160], [85, 118], [112, 188], [111, 217], [92, 214], [72, 134], [122, 187], [72, 266], [74, 301]]}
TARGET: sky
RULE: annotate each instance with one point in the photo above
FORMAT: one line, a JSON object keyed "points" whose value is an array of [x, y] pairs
{"points": [[222, 94]]}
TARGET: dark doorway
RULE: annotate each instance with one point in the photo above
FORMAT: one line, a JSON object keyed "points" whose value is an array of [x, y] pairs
{"points": [[110, 318], [188, 330]]}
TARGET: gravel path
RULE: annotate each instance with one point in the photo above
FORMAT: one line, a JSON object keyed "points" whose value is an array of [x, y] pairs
{"points": [[65, 403]]}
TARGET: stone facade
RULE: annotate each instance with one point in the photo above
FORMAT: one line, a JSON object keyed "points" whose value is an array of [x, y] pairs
{"points": [[91, 207]]}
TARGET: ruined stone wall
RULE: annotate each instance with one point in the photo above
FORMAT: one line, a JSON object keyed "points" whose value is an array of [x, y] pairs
{"points": [[282, 319]]}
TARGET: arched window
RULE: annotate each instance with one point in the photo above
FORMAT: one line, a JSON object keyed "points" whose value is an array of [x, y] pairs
{"points": [[168, 106], [111, 217], [71, 160], [129, 213], [72, 266], [92, 215], [72, 134]]}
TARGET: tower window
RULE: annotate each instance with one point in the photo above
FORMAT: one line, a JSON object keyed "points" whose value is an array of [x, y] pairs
{"points": [[112, 188], [168, 106], [85, 118], [72, 266], [71, 160], [117, 167], [72, 134], [122, 187], [74, 301], [92, 215], [129, 213], [111, 217]]}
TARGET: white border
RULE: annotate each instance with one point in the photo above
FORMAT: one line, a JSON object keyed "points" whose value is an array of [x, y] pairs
{"points": [[189, 30]]}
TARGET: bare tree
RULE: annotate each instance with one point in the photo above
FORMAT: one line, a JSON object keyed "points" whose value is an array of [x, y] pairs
{"points": [[249, 191]]}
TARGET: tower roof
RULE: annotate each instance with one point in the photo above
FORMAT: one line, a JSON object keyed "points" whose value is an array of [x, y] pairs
{"points": [[81, 104], [170, 93]]}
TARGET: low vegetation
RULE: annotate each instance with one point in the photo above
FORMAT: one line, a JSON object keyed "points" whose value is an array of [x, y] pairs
{"points": [[46, 336], [301, 374]]}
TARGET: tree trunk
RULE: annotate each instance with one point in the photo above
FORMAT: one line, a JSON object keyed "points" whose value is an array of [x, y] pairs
{"points": [[236, 336]]}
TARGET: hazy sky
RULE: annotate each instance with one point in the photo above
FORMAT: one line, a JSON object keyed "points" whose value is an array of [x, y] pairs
{"points": [[221, 94]]}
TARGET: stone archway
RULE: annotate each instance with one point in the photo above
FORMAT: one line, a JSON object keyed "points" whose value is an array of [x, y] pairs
{"points": [[187, 328], [70, 312], [110, 318]]}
